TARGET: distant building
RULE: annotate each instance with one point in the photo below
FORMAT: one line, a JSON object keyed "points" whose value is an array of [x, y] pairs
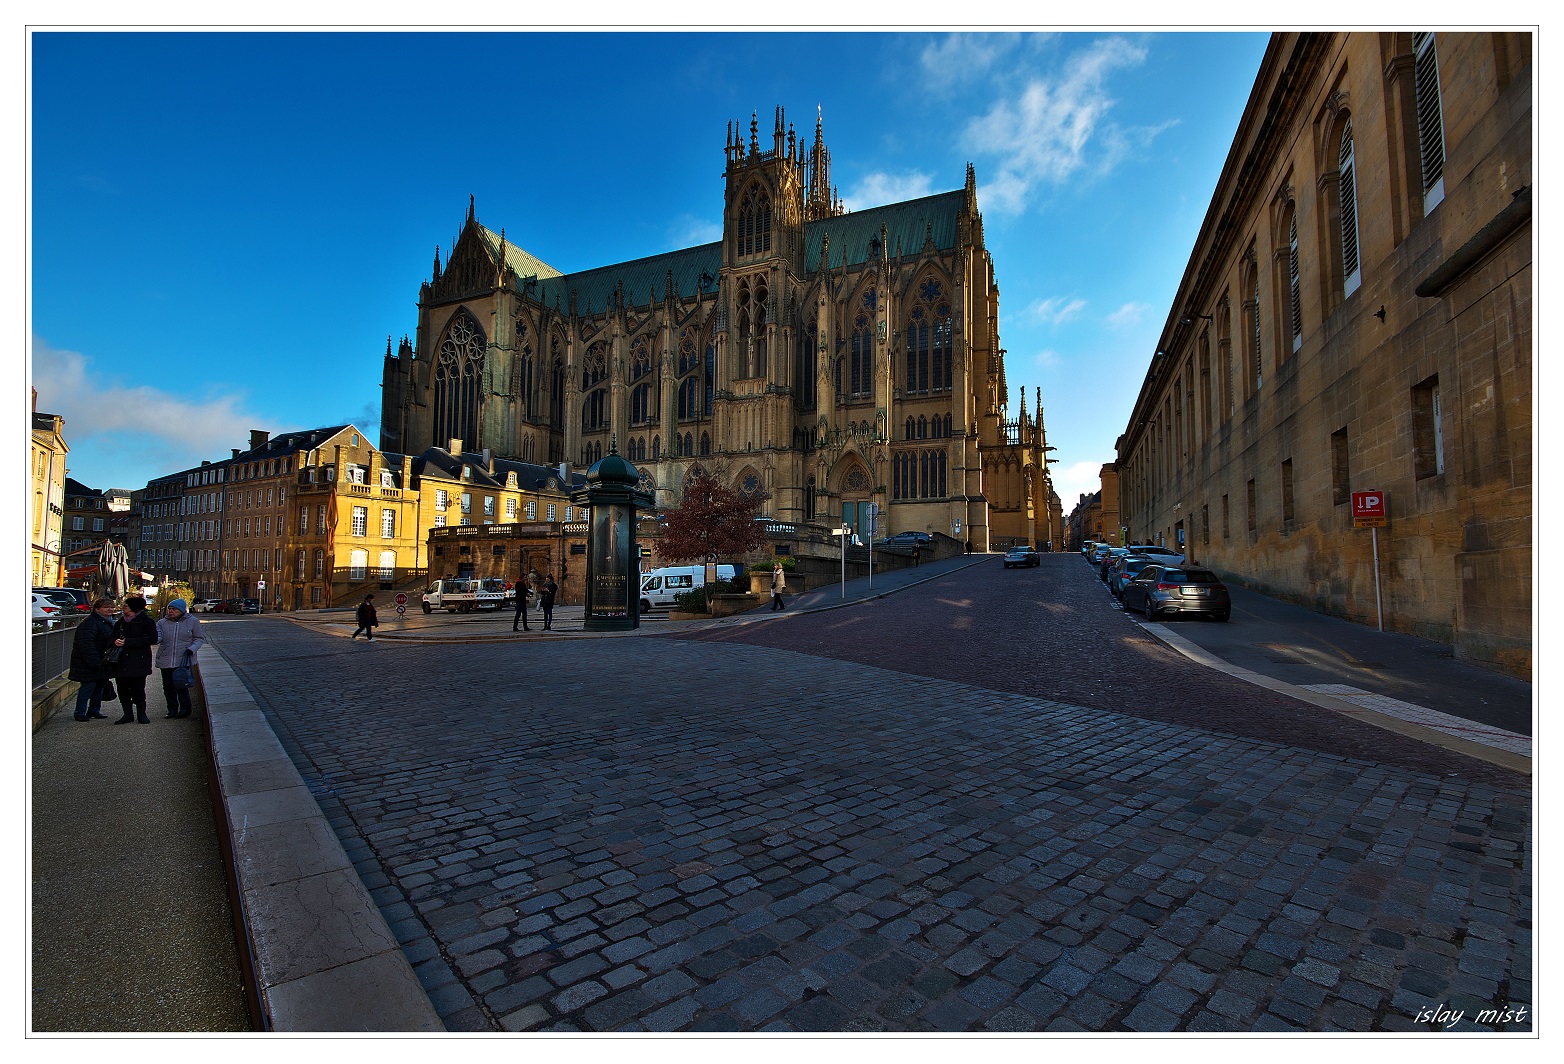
{"points": [[1356, 315], [830, 360], [46, 492]]}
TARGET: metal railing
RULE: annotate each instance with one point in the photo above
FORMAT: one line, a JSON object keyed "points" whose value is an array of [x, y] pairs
{"points": [[52, 651]]}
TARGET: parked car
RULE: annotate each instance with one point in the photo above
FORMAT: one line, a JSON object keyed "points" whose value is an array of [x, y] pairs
{"points": [[1161, 554], [203, 605], [46, 611], [1022, 556], [1106, 557], [1124, 570], [249, 606], [71, 599], [909, 539], [1165, 590]]}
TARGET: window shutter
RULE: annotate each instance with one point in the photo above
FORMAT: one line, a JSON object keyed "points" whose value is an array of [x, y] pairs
{"points": [[1349, 212], [1292, 281], [1430, 122]]}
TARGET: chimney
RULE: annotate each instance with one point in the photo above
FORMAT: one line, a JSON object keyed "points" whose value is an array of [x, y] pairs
{"points": [[257, 438], [235, 451], [488, 461]]}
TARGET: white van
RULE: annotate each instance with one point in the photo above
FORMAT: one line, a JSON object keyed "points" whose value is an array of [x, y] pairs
{"points": [[659, 586]]}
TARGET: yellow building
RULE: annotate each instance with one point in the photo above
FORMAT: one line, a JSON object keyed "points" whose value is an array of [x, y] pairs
{"points": [[46, 510], [1356, 315]]}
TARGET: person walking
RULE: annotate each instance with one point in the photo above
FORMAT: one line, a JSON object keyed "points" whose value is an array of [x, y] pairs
{"points": [[366, 619], [135, 634], [94, 636], [778, 582], [550, 589], [179, 636]]}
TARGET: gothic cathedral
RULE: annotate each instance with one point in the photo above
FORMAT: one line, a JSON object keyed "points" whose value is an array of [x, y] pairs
{"points": [[828, 359]]}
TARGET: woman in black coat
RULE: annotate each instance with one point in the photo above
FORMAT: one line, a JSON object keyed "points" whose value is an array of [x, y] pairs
{"points": [[94, 636], [135, 633]]}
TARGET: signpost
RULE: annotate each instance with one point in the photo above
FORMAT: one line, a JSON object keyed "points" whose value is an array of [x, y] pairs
{"points": [[260, 597], [1368, 511], [401, 606], [874, 521], [844, 532]]}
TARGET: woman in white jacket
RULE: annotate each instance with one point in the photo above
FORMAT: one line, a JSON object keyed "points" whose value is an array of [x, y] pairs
{"points": [[178, 638]]}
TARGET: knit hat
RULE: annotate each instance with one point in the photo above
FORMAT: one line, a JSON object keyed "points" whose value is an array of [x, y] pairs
{"points": [[179, 604]]}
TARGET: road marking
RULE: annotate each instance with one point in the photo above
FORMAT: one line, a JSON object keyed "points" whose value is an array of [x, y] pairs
{"points": [[1430, 718]]}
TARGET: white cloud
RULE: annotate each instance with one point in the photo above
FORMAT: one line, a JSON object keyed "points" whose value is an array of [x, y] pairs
{"points": [[688, 231], [878, 189], [959, 57], [1058, 310], [1044, 135], [129, 432], [1130, 314], [1077, 479], [1048, 359]]}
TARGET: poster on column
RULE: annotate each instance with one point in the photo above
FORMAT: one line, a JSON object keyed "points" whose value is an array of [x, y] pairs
{"points": [[610, 562]]}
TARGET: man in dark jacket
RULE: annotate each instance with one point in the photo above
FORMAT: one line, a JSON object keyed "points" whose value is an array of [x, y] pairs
{"points": [[93, 636], [550, 589], [366, 617]]}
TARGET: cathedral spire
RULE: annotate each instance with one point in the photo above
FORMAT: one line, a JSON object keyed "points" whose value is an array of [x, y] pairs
{"points": [[754, 132], [820, 196], [472, 208], [436, 274]]}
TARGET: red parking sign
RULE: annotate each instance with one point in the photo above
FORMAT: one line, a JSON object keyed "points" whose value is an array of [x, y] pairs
{"points": [[1368, 509]]}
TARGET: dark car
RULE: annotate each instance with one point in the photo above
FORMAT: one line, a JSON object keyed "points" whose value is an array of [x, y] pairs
{"points": [[71, 599], [1107, 557], [1025, 556], [1170, 591], [249, 606], [909, 539], [1124, 570]]}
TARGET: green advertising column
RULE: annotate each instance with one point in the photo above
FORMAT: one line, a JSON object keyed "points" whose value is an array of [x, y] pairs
{"points": [[613, 574]]}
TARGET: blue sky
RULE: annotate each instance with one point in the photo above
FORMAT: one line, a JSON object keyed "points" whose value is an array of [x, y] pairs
{"points": [[225, 227]]}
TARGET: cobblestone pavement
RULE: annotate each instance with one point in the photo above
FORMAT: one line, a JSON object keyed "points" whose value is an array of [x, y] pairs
{"points": [[661, 834]]}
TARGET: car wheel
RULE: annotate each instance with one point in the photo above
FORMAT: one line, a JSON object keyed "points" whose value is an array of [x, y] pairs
{"points": [[428, 609], [646, 606]]}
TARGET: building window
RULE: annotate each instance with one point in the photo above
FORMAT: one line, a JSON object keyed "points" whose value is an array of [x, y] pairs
{"points": [[356, 474], [861, 375], [488, 506], [439, 520], [78, 524], [1430, 120], [458, 380], [320, 520], [97, 524], [360, 520], [1287, 507], [1294, 289], [1348, 191], [466, 502], [1252, 333], [510, 509], [320, 564], [441, 499], [1428, 429], [387, 565], [386, 479], [1254, 527], [1340, 475], [358, 565], [754, 222], [314, 594], [567, 513], [387, 524], [551, 511], [1205, 525], [532, 509]]}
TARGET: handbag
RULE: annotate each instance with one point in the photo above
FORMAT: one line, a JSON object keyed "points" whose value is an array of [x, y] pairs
{"points": [[106, 692], [183, 674], [111, 655]]}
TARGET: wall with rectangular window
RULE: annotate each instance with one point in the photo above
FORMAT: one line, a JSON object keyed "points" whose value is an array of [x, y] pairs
{"points": [[1428, 443], [1340, 472]]}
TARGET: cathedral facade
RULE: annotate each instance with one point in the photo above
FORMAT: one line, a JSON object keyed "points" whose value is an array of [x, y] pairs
{"points": [[829, 360]]}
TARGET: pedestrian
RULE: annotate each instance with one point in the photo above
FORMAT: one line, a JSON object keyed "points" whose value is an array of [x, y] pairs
{"points": [[135, 634], [366, 618], [179, 636], [550, 589], [93, 638], [917, 555], [778, 582], [523, 593]]}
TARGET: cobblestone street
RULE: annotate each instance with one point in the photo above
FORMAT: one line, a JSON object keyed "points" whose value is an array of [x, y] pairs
{"points": [[883, 818]]}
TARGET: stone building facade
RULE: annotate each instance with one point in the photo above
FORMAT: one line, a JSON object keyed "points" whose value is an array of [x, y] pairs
{"points": [[830, 360], [46, 496], [1356, 314]]}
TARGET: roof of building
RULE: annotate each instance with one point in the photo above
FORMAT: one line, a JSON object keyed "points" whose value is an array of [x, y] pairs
{"points": [[289, 442], [76, 487], [907, 226], [529, 475]]}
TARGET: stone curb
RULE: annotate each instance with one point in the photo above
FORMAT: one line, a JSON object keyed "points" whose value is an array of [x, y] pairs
{"points": [[324, 959], [1503, 758]]}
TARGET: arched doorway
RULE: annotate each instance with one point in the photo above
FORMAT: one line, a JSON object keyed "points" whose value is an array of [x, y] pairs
{"points": [[854, 491]]}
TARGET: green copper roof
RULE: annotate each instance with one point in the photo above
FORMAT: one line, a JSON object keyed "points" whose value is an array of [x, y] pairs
{"points": [[906, 225]]}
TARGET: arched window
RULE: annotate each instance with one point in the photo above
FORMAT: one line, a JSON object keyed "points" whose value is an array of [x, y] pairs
{"points": [[1294, 289], [923, 427], [805, 366], [643, 403], [911, 429], [754, 222], [657, 448], [689, 387], [458, 380], [556, 386], [524, 370], [689, 445], [705, 444], [861, 371], [594, 387], [1348, 191], [928, 332]]}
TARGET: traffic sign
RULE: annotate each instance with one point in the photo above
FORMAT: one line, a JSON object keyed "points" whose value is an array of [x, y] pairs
{"points": [[1368, 509], [401, 608], [401, 599], [260, 585]]}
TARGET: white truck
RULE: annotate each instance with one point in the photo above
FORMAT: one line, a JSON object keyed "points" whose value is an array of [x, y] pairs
{"points": [[659, 586], [464, 595]]}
